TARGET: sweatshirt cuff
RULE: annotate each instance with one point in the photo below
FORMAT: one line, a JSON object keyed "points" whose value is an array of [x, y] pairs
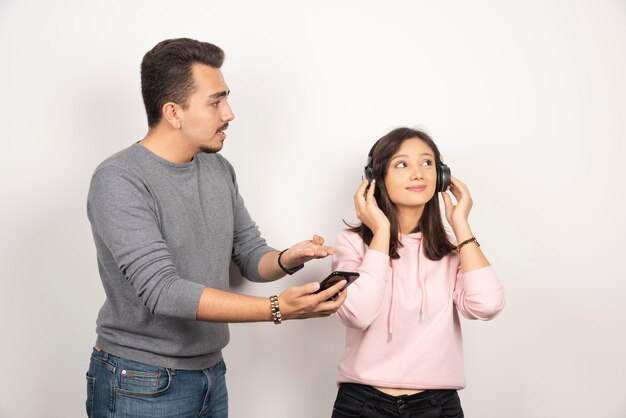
{"points": [[480, 280], [252, 267], [183, 300]]}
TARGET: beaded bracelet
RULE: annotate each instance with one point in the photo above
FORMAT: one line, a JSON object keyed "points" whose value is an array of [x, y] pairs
{"points": [[467, 241], [276, 316]]}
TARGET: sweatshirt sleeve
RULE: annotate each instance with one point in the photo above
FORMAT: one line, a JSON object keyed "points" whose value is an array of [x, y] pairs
{"points": [[125, 222], [365, 295], [479, 294], [248, 244]]}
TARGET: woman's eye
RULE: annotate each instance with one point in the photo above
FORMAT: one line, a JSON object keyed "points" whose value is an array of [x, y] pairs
{"points": [[400, 165], [427, 162]]}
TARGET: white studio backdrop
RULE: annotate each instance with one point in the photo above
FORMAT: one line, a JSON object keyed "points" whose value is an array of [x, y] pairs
{"points": [[526, 100]]}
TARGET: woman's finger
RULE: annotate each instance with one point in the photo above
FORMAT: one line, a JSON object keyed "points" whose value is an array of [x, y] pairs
{"points": [[370, 192], [459, 185], [360, 192]]}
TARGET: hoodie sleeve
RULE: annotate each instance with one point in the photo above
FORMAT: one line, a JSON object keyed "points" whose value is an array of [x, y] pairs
{"points": [[479, 294], [365, 295]]}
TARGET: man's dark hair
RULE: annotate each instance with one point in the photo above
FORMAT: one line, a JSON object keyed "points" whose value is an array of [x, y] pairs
{"points": [[167, 73], [436, 243]]}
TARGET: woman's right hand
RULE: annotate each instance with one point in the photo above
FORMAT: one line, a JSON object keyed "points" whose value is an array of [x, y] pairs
{"points": [[367, 209]]}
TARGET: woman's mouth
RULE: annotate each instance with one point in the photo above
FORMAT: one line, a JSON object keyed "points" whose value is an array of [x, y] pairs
{"points": [[416, 188]]}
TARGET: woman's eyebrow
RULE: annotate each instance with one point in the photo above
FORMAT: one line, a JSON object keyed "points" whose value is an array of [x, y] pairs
{"points": [[423, 154]]}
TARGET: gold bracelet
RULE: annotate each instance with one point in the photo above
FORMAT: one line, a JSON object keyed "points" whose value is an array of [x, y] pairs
{"points": [[276, 316], [467, 241]]}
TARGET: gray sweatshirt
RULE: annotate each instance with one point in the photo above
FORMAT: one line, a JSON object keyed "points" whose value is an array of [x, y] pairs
{"points": [[163, 232]]}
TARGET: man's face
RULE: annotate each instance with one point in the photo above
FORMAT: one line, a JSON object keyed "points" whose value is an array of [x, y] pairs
{"points": [[206, 118]]}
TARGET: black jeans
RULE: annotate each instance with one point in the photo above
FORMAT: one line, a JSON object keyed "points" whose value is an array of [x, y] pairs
{"points": [[364, 401]]}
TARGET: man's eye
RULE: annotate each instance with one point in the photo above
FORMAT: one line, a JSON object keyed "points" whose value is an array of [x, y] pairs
{"points": [[215, 104]]}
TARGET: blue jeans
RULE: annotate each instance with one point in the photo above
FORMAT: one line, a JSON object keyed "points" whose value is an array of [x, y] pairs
{"points": [[117, 388], [366, 402]]}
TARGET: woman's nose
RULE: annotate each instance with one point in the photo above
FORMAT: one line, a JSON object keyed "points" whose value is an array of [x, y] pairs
{"points": [[417, 174]]}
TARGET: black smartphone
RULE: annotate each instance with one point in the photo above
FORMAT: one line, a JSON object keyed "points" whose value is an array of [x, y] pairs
{"points": [[335, 277]]}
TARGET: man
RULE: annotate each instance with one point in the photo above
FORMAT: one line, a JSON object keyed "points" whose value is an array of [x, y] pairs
{"points": [[167, 219]]}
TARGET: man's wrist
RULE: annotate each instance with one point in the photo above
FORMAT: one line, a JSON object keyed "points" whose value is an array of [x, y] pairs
{"points": [[277, 317], [287, 269]]}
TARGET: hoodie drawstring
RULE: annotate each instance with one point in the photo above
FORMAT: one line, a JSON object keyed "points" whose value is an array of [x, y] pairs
{"points": [[421, 277], [391, 310]]}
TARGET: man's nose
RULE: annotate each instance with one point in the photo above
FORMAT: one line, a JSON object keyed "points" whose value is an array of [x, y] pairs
{"points": [[227, 112]]}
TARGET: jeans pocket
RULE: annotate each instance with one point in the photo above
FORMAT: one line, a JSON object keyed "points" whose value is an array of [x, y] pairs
{"points": [[91, 387], [141, 380], [347, 406], [450, 406]]}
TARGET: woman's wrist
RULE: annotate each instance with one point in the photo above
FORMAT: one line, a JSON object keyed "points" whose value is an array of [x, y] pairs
{"points": [[380, 241], [462, 232]]}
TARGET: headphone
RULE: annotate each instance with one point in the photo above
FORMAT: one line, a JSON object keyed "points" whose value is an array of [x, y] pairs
{"points": [[443, 172]]}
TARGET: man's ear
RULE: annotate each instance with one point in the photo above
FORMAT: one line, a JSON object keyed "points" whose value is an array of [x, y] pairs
{"points": [[172, 114]]}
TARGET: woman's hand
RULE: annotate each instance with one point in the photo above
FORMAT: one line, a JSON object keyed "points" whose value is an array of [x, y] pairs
{"points": [[367, 209], [457, 215]]}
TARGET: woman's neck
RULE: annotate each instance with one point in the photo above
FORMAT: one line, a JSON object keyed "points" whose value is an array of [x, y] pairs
{"points": [[408, 218]]}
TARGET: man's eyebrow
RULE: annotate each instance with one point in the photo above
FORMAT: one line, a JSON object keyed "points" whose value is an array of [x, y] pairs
{"points": [[219, 94]]}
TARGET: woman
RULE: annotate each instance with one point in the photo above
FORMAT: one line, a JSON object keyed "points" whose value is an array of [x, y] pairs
{"points": [[403, 353]]}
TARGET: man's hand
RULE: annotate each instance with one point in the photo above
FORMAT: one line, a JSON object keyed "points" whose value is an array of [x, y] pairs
{"points": [[300, 302], [305, 251]]}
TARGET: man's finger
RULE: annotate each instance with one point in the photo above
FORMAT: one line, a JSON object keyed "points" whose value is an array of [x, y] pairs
{"points": [[307, 289], [317, 240], [328, 293]]}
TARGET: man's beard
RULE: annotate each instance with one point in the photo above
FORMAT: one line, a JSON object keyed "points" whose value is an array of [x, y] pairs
{"points": [[210, 150], [213, 150]]}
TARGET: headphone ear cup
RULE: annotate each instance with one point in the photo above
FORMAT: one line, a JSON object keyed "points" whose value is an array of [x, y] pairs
{"points": [[443, 177], [367, 173]]}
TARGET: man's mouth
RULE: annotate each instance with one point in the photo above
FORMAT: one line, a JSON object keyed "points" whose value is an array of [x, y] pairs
{"points": [[222, 128]]}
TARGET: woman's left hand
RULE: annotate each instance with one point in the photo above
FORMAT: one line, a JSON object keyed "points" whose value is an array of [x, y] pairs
{"points": [[457, 215]]}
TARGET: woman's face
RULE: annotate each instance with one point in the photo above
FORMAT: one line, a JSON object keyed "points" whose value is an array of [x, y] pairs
{"points": [[412, 175]]}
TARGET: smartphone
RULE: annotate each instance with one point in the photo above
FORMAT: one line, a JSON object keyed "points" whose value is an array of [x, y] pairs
{"points": [[335, 277]]}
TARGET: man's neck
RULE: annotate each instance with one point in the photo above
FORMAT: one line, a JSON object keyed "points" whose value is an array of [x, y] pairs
{"points": [[167, 144]]}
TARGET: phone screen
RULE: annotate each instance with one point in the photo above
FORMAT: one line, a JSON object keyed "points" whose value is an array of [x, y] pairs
{"points": [[335, 277]]}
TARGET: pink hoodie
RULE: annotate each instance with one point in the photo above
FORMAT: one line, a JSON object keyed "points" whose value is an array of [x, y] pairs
{"points": [[403, 327]]}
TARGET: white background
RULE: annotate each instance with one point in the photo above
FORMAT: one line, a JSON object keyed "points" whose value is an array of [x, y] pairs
{"points": [[526, 100]]}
